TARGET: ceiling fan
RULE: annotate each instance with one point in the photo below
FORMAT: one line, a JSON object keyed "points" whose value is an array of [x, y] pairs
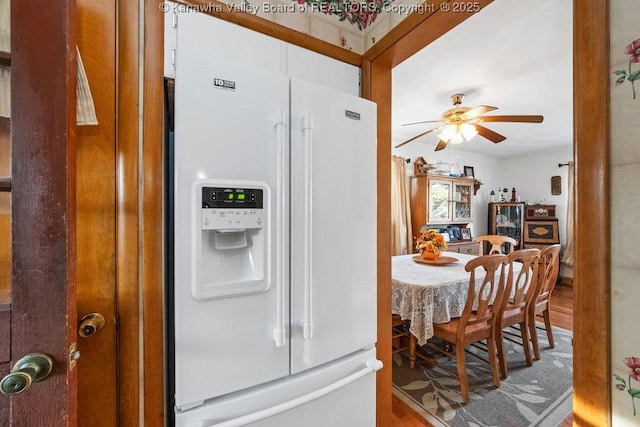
{"points": [[463, 123]]}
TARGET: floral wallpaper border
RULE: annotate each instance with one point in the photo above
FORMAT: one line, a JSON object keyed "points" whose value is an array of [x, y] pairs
{"points": [[632, 49], [633, 363]]}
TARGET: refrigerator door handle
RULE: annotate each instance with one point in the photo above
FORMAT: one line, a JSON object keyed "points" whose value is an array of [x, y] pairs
{"points": [[370, 367], [279, 330], [306, 322]]}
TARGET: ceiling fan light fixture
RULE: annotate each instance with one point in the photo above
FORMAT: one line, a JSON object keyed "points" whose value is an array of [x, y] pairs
{"points": [[457, 138], [468, 131], [447, 133]]}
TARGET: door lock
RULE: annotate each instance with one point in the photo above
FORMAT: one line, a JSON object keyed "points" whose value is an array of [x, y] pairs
{"points": [[90, 324], [30, 369]]}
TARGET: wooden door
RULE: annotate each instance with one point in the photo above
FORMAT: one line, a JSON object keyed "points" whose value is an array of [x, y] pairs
{"points": [[37, 297]]}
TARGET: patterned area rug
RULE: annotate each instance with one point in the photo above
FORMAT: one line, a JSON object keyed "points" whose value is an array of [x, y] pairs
{"points": [[540, 395]]}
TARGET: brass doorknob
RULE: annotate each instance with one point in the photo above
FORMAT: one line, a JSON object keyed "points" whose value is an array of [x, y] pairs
{"points": [[90, 324], [30, 369]]}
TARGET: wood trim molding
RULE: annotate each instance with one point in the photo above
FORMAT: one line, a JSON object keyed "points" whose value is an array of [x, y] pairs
{"points": [[592, 324], [376, 86], [128, 200], [152, 218]]}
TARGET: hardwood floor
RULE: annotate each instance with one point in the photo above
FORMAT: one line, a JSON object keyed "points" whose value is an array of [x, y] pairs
{"points": [[561, 316]]}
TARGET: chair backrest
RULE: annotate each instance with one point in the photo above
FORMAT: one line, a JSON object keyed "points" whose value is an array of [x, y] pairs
{"points": [[499, 244], [548, 269], [484, 300], [522, 285]]}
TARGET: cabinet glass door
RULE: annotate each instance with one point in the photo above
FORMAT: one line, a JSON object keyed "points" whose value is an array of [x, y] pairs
{"points": [[508, 219], [462, 202], [439, 206]]}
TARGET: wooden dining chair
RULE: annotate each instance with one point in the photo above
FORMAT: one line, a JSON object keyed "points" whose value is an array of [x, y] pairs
{"points": [[400, 335], [521, 289], [548, 268], [478, 319], [497, 244]]}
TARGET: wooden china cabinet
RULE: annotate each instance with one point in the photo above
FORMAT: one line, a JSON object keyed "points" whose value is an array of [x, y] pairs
{"points": [[445, 203], [507, 219]]}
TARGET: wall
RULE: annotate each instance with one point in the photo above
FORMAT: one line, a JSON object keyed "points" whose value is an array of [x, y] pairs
{"points": [[534, 185], [625, 205]]}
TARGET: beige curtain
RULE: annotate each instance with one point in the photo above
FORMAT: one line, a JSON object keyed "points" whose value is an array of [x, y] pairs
{"points": [[567, 256], [400, 210]]}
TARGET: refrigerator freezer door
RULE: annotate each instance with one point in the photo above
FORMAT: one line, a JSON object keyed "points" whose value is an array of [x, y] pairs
{"points": [[340, 394], [230, 134], [333, 222]]}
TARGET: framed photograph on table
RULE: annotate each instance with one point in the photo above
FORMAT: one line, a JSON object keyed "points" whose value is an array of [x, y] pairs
{"points": [[454, 233], [468, 172], [465, 233]]}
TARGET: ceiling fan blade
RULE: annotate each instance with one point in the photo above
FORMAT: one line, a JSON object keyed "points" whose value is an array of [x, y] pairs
{"points": [[417, 123], [521, 119], [441, 145], [475, 112], [415, 137], [489, 134]]}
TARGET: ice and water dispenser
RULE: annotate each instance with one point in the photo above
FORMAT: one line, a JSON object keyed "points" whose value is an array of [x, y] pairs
{"points": [[231, 234]]}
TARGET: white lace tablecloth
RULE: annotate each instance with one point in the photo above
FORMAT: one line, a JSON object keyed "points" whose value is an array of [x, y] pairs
{"points": [[427, 294]]}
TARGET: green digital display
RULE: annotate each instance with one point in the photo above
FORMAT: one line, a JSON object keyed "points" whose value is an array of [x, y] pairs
{"points": [[236, 198]]}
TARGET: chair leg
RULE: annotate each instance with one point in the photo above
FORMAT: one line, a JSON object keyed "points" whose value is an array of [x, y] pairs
{"points": [[462, 371], [412, 351], [502, 358], [534, 337], [493, 360], [547, 325], [524, 331]]}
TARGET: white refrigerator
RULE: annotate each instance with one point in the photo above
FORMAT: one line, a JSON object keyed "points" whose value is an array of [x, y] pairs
{"points": [[272, 290]]}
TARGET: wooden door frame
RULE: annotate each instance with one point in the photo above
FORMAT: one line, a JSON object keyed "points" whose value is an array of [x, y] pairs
{"points": [[592, 391], [592, 361], [139, 214], [43, 101]]}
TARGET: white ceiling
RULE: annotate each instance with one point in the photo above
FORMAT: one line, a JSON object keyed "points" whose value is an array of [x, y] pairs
{"points": [[515, 55]]}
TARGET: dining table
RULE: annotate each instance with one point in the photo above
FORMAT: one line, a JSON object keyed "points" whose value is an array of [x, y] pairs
{"points": [[426, 293]]}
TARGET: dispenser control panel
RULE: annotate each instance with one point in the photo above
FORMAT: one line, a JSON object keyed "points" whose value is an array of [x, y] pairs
{"points": [[227, 208]]}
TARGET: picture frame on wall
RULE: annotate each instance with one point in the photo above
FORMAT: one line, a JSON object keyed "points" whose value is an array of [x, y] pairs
{"points": [[468, 172], [556, 185]]}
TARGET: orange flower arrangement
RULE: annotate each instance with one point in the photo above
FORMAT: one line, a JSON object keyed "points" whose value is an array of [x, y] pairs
{"points": [[430, 240]]}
